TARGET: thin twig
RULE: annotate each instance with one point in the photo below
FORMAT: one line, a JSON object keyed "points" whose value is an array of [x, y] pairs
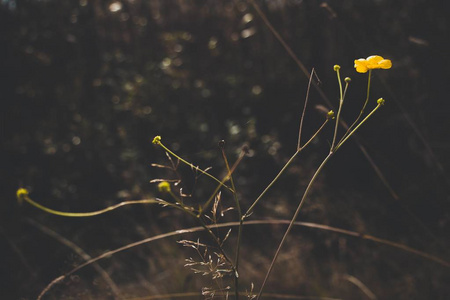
{"points": [[300, 129], [355, 234], [80, 252], [198, 294], [359, 284], [87, 214], [192, 166], [363, 108], [250, 209], [291, 224], [239, 210]]}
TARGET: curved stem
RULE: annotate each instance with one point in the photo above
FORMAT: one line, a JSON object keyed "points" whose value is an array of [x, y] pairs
{"points": [[341, 103], [86, 214], [342, 231], [364, 106], [149, 201], [302, 118]]}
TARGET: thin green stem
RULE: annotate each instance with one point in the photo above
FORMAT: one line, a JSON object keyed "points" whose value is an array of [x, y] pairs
{"points": [[338, 73], [308, 188], [250, 209], [364, 106], [356, 128], [238, 243], [226, 178], [338, 116], [345, 89], [300, 128], [194, 167], [341, 103], [110, 208], [291, 224], [86, 214]]}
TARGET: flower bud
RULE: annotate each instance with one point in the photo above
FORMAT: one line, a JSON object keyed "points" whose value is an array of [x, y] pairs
{"points": [[164, 187], [156, 140], [330, 115]]}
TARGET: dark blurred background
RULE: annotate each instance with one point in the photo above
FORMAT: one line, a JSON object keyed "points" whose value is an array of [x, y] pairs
{"points": [[86, 85]]}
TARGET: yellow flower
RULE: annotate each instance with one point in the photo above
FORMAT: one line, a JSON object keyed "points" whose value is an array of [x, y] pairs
{"points": [[372, 62]]}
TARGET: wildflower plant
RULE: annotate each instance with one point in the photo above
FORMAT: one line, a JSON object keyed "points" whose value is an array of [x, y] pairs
{"points": [[213, 257]]}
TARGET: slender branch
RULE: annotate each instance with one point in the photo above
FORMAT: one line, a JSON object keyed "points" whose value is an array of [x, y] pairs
{"points": [[356, 128], [226, 178], [250, 209], [341, 103], [199, 294], [80, 252], [360, 285], [364, 106], [87, 214], [291, 224], [300, 129], [342, 231], [319, 169], [194, 167], [239, 210], [23, 195]]}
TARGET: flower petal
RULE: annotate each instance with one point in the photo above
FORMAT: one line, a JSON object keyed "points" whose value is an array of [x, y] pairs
{"points": [[361, 69], [361, 65], [374, 59], [385, 64], [372, 62]]}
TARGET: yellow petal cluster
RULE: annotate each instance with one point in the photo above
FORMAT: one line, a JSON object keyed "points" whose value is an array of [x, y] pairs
{"points": [[372, 62]]}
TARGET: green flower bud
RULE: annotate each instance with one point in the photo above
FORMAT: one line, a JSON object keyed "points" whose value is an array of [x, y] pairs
{"points": [[156, 140], [330, 115], [164, 187]]}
